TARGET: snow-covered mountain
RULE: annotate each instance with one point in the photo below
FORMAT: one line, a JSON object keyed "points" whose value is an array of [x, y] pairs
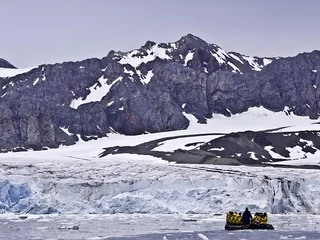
{"points": [[149, 90]]}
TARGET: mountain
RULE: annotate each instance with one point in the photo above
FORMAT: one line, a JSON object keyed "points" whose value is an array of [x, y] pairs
{"points": [[149, 90], [5, 64]]}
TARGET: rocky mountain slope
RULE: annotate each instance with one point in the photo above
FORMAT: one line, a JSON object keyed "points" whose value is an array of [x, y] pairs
{"points": [[148, 90]]}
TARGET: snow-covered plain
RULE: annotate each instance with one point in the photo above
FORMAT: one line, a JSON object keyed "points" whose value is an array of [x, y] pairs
{"points": [[74, 180]]}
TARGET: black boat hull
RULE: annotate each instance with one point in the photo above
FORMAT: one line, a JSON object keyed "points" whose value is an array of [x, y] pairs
{"points": [[248, 226]]}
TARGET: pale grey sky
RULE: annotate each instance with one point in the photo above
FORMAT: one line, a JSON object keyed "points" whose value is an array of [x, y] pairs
{"points": [[43, 31]]}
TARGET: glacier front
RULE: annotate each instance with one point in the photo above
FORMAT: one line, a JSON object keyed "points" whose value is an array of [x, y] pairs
{"points": [[127, 183]]}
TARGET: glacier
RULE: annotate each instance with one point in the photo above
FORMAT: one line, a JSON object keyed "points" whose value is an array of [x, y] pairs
{"points": [[140, 184]]}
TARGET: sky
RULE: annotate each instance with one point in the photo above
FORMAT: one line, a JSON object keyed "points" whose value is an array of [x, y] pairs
{"points": [[35, 32]]}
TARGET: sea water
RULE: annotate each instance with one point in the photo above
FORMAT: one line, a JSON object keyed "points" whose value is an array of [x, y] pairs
{"points": [[148, 226]]}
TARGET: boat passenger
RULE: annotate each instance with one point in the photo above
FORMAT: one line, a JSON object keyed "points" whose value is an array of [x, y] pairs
{"points": [[246, 216], [238, 218], [264, 218]]}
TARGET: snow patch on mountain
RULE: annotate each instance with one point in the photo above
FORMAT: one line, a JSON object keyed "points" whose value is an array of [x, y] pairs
{"points": [[266, 61], [97, 92], [253, 156], [222, 54], [235, 57], [255, 66], [254, 119], [235, 69], [217, 149], [135, 57], [218, 58], [187, 143], [145, 79], [231, 58], [274, 154], [40, 78], [188, 57], [11, 72], [130, 72]]}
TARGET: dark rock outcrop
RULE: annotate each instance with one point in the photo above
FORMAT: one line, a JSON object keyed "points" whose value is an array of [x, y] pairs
{"points": [[239, 148], [5, 64], [256, 147]]}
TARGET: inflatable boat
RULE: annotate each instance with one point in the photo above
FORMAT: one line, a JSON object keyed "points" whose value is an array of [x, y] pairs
{"points": [[248, 226]]}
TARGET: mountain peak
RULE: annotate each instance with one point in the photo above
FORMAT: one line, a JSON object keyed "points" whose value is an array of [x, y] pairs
{"points": [[5, 64], [192, 52], [191, 39], [149, 44]]}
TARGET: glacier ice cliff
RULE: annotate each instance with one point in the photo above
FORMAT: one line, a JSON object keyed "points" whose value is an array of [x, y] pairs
{"points": [[104, 186]]}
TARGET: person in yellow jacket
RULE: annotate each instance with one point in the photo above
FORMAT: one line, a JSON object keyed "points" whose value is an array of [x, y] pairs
{"points": [[264, 218], [260, 218], [228, 217], [256, 218], [233, 218], [238, 218]]}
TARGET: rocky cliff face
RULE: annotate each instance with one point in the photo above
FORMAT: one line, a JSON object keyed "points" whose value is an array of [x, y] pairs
{"points": [[147, 90]]}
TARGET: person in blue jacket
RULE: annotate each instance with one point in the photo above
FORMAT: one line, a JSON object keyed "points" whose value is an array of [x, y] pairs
{"points": [[246, 216]]}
